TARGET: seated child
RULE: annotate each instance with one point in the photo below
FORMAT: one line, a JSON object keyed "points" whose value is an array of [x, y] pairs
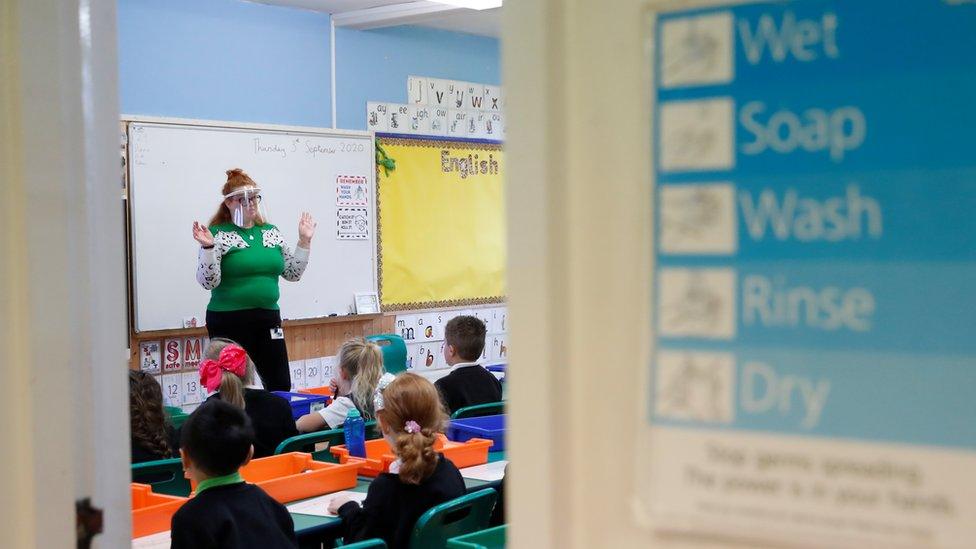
{"points": [[468, 383], [152, 436], [216, 441], [410, 415], [360, 372], [227, 369]]}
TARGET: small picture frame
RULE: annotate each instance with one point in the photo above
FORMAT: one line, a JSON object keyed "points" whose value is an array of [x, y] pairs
{"points": [[367, 303]]}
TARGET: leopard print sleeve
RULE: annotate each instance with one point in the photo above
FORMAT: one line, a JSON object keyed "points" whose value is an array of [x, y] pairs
{"points": [[208, 268], [295, 263], [208, 264]]}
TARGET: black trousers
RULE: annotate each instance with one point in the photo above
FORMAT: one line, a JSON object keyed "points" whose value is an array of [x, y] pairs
{"points": [[252, 329]]}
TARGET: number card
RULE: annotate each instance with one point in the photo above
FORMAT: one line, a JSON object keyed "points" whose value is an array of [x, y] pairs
{"points": [[172, 355], [330, 368], [191, 388], [313, 373], [192, 352], [297, 369], [149, 357], [172, 385]]}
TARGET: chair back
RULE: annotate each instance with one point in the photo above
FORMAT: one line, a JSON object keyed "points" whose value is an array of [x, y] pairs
{"points": [[164, 475], [466, 514], [486, 409], [394, 352], [334, 437]]}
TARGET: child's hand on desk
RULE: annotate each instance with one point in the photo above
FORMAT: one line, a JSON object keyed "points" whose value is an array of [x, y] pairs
{"points": [[338, 502]]}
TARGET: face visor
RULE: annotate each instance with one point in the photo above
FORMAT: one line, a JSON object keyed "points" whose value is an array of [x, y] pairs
{"points": [[246, 207]]}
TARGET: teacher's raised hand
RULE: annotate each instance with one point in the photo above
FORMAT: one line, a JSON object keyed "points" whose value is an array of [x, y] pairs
{"points": [[202, 234], [306, 229]]}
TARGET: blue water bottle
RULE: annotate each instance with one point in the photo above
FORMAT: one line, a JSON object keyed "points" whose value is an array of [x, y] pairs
{"points": [[355, 431]]}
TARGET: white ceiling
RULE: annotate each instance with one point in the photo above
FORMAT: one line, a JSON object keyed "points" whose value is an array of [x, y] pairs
{"points": [[484, 23]]}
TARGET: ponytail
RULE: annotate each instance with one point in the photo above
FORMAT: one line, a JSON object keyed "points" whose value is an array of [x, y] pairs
{"points": [[231, 386], [417, 456], [414, 415], [362, 361], [232, 389], [147, 421]]}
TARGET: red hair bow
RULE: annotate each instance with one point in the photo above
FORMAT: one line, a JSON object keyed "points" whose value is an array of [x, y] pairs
{"points": [[232, 358]]}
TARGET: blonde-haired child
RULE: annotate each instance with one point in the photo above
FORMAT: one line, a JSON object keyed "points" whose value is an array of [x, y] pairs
{"points": [[410, 417], [359, 375]]}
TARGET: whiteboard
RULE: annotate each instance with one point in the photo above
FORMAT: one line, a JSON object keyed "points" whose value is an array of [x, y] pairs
{"points": [[176, 171]]}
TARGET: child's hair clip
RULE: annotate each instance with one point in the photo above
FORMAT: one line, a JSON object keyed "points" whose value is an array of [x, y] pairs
{"points": [[411, 427]]}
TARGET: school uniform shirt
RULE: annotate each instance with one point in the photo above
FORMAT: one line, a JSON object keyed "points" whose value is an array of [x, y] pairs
{"points": [[468, 384], [391, 508], [236, 515], [272, 419], [335, 413]]}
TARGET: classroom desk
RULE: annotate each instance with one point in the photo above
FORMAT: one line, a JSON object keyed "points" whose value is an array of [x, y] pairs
{"points": [[312, 530]]}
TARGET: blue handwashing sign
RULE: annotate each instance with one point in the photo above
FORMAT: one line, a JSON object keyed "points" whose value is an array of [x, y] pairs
{"points": [[815, 220]]}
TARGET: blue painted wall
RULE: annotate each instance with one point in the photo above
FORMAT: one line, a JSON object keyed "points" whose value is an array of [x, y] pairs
{"points": [[374, 65], [249, 62], [224, 60]]}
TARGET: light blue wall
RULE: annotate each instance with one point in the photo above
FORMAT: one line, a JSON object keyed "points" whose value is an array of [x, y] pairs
{"points": [[249, 62], [224, 60], [374, 65]]}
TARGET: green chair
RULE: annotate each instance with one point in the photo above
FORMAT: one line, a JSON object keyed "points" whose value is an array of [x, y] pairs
{"points": [[165, 476], [487, 409], [394, 352], [492, 538], [457, 517], [375, 543], [176, 415], [335, 437]]}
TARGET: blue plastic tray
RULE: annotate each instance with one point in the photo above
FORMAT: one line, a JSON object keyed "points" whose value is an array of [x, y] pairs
{"points": [[489, 427], [303, 403]]}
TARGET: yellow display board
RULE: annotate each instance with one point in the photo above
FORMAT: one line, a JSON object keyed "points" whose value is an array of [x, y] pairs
{"points": [[441, 223]]}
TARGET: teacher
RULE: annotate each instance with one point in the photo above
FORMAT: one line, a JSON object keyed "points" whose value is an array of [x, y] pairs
{"points": [[241, 257]]}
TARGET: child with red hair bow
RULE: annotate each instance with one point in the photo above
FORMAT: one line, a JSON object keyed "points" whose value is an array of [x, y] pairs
{"points": [[229, 373]]}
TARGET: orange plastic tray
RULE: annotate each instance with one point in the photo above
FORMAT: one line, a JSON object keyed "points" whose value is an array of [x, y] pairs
{"points": [[379, 455], [288, 477], [323, 391], [151, 512]]}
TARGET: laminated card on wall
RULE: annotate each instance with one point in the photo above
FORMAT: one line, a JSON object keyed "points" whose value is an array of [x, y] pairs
{"points": [[814, 357]]}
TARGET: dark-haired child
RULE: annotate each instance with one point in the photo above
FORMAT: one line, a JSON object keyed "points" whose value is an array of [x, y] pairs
{"points": [[152, 436], [217, 440], [469, 383]]}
